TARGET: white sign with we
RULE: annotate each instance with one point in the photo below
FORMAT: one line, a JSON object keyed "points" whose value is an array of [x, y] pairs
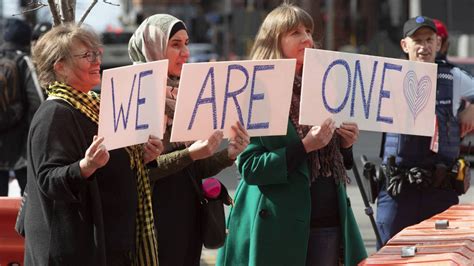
{"points": [[132, 104]]}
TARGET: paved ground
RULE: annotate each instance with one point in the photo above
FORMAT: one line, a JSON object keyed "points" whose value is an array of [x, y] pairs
{"points": [[368, 144]]}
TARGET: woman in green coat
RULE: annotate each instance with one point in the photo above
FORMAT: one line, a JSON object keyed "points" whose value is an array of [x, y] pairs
{"points": [[291, 206]]}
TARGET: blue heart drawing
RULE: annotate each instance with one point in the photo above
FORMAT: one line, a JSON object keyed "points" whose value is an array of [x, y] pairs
{"points": [[416, 92]]}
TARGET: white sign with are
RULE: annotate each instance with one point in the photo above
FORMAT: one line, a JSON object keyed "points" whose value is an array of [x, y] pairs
{"points": [[213, 96], [380, 94], [132, 104]]}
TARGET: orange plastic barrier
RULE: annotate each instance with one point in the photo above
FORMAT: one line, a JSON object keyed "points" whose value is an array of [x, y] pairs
{"points": [[11, 244], [432, 236], [464, 206], [453, 245], [453, 223], [445, 259], [458, 248]]}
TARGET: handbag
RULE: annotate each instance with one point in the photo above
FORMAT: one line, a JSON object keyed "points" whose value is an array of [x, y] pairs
{"points": [[212, 217], [20, 218]]}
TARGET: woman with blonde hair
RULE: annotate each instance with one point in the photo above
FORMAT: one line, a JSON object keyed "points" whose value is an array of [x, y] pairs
{"points": [[84, 204], [291, 206]]}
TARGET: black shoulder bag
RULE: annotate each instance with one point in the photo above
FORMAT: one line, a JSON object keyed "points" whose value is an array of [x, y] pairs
{"points": [[212, 217]]}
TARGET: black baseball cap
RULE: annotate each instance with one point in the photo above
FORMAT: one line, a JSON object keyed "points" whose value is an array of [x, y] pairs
{"points": [[413, 24]]}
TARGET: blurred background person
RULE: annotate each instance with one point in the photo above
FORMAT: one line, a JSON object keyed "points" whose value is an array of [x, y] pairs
{"points": [[20, 97], [442, 55], [39, 30], [84, 205], [176, 204], [463, 82], [442, 33], [291, 207]]}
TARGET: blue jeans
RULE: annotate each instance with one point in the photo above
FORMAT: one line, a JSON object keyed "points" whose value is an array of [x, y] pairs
{"points": [[412, 206], [323, 246], [386, 207]]}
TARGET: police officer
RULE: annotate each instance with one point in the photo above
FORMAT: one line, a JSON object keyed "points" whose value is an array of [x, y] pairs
{"points": [[418, 169]]}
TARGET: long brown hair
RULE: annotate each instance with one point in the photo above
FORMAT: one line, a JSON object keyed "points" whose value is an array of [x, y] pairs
{"points": [[281, 20]]}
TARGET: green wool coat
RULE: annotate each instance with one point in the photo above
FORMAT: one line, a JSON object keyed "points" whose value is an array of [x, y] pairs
{"points": [[269, 224]]}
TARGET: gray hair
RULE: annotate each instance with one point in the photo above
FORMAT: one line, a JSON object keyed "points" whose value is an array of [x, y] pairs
{"points": [[56, 45]]}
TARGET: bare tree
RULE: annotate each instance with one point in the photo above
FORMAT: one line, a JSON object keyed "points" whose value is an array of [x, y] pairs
{"points": [[68, 8], [54, 12], [87, 11], [63, 11]]}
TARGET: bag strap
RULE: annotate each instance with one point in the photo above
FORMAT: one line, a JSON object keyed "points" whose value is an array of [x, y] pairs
{"points": [[20, 56], [20, 218], [196, 186]]}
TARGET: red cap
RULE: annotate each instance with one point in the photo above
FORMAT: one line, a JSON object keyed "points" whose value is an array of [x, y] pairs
{"points": [[442, 31]]}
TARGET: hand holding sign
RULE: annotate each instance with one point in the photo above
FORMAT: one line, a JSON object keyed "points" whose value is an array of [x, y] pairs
{"points": [[239, 139], [96, 157], [152, 148], [349, 133], [202, 149], [319, 136]]}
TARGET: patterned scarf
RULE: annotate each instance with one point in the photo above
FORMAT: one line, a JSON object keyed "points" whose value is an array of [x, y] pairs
{"points": [[146, 252], [326, 161], [171, 94]]}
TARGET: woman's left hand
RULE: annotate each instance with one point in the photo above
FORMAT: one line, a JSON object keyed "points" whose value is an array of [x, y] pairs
{"points": [[349, 132], [238, 141], [153, 148]]}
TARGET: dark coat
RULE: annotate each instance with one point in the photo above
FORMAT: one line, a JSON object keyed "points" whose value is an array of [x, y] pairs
{"points": [[13, 141], [176, 204], [70, 220]]}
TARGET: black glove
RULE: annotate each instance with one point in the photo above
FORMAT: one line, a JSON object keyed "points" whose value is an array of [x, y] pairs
{"points": [[419, 177], [395, 185]]}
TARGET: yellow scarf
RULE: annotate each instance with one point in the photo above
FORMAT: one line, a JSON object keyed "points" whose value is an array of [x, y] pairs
{"points": [[146, 252]]}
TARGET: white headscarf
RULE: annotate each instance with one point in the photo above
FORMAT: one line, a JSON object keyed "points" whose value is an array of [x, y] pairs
{"points": [[148, 43], [150, 40]]}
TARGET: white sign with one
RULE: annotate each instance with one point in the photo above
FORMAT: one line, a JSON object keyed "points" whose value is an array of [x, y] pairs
{"points": [[132, 104], [213, 96], [378, 93]]}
